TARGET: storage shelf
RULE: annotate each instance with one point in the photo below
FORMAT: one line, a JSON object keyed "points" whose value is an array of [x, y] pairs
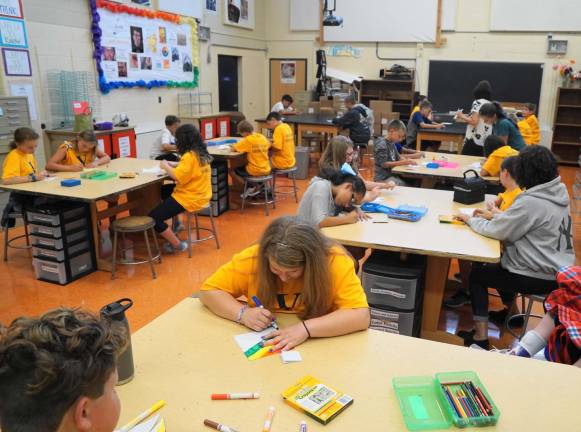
{"points": [[568, 124], [570, 106], [567, 143]]}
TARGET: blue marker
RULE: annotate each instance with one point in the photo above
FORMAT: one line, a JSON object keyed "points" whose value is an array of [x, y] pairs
{"points": [[259, 304]]}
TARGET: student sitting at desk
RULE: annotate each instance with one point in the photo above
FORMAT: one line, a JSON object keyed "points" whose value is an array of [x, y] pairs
{"points": [[421, 119], [82, 152], [418, 99], [355, 119], [387, 157], [283, 142], [284, 106], [193, 189], [495, 151], [165, 146], [256, 147], [293, 269], [58, 373], [477, 130], [338, 155], [529, 126], [493, 114], [20, 166], [537, 238]]}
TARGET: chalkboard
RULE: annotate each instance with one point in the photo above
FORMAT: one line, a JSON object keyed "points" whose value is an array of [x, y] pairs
{"points": [[451, 83]]}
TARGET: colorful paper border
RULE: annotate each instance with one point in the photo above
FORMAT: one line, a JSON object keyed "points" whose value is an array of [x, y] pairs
{"points": [[6, 71], [21, 22], [106, 86]]}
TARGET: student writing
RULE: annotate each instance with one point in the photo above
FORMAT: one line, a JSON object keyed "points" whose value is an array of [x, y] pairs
{"points": [[82, 152], [284, 106], [283, 142]]}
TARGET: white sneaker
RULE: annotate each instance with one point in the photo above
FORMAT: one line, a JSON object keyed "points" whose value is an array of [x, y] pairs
{"points": [[169, 249]]}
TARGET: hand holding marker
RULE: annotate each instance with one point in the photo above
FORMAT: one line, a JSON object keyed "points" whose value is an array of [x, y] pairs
{"points": [[260, 305]]}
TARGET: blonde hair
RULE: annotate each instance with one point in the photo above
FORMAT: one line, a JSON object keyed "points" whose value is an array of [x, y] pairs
{"points": [[293, 243], [335, 154]]}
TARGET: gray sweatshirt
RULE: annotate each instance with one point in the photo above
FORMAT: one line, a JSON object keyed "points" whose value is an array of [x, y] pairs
{"points": [[536, 231], [317, 203]]}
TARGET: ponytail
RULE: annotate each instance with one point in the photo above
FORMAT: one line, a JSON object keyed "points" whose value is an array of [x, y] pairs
{"points": [[337, 178], [492, 109], [23, 134]]}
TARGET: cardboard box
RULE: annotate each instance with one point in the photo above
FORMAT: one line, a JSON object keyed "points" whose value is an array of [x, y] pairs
{"points": [[381, 106], [326, 102], [313, 107], [381, 120]]}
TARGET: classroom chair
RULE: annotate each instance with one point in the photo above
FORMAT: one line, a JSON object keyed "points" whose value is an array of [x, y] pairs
{"points": [[133, 225], [213, 232], [290, 173], [526, 312], [264, 182], [8, 241]]}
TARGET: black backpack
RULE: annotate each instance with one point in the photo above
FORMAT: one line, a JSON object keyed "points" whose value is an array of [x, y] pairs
{"points": [[470, 190]]}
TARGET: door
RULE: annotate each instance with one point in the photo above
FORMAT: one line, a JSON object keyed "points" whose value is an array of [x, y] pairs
{"points": [[287, 76], [228, 82]]}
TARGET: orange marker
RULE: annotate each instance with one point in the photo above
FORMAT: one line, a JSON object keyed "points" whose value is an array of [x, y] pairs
{"points": [[235, 396]]}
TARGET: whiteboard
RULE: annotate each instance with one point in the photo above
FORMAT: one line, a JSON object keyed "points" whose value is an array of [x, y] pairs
{"points": [[535, 15], [449, 8], [304, 15], [191, 8], [385, 21]]}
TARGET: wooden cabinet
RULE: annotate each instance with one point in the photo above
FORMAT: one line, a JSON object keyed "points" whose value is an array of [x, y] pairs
{"points": [[399, 91], [567, 127]]}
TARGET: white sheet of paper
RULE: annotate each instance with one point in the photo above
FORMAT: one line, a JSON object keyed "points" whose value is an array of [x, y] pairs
{"points": [[378, 200], [475, 165], [48, 179], [447, 123], [466, 211], [248, 340], [147, 426], [153, 170], [27, 91], [291, 356], [377, 218]]}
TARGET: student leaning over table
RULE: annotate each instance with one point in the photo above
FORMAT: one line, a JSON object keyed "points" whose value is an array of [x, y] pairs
{"points": [[293, 269], [82, 152]]}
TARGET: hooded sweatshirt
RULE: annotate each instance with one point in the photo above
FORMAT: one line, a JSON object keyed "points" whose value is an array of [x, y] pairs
{"points": [[536, 231], [356, 121], [317, 203]]}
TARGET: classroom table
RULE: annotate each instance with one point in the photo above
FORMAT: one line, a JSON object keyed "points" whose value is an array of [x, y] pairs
{"points": [[301, 123], [430, 176], [452, 133], [188, 353], [143, 193], [439, 242]]}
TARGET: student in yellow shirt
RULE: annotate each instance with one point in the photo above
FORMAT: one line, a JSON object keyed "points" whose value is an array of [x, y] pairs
{"points": [[193, 189], [495, 151], [83, 152], [533, 134], [293, 269], [283, 142], [256, 147], [418, 99]]}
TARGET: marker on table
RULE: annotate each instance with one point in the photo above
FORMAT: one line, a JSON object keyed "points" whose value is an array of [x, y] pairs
{"points": [[260, 305], [268, 420], [219, 427], [303, 426], [156, 407], [235, 396]]}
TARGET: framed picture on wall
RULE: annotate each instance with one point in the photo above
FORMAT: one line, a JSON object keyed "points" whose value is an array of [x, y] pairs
{"points": [[11, 8], [13, 33], [239, 13], [211, 7], [16, 62]]}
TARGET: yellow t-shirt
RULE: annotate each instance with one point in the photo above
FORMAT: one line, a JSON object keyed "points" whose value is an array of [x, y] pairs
{"points": [[193, 183], [256, 148], [533, 123], [526, 132], [239, 277], [415, 110], [19, 164], [283, 144], [508, 197], [74, 158], [492, 164]]}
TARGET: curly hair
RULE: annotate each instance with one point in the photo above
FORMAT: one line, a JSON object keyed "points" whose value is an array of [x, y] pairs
{"points": [[47, 363], [188, 139], [537, 165]]}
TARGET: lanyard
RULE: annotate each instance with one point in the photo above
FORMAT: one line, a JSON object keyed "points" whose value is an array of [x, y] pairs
{"points": [[32, 166]]}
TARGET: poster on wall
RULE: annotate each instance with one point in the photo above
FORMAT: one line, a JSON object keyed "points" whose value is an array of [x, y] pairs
{"points": [[16, 62], [11, 8], [239, 13], [211, 7], [142, 48], [27, 91], [13, 33], [288, 72]]}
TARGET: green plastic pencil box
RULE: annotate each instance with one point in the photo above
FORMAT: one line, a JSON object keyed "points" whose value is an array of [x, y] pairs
{"points": [[424, 405]]}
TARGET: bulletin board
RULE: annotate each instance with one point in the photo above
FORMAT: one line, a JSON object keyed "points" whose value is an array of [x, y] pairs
{"points": [[287, 76], [143, 48]]}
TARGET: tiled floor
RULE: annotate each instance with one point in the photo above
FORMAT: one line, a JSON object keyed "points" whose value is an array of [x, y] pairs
{"points": [[178, 276]]}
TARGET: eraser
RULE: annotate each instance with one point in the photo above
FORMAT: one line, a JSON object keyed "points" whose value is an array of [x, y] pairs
{"points": [[70, 182]]}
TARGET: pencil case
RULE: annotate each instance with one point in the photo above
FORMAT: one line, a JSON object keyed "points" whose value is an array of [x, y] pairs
{"points": [[406, 213], [70, 182]]}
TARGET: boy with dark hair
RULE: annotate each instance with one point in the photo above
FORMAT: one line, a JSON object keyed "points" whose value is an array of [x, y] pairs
{"points": [[284, 106], [495, 152], [165, 148], [256, 147], [58, 373], [355, 119], [529, 126], [421, 119], [283, 142]]}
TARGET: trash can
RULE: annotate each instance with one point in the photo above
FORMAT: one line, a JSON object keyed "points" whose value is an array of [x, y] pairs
{"points": [[302, 156]]}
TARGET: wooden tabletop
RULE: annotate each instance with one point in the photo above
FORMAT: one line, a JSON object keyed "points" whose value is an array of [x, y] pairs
{"points": [[426, 237], [456, 128], [91, 190], [188, 353], [463, 162], [226, 153]]}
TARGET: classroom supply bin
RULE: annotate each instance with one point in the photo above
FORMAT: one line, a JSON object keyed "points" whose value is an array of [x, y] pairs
{"points": [[220, 189], [394, 289], [123, 144], [62, 242], [302, 157]]}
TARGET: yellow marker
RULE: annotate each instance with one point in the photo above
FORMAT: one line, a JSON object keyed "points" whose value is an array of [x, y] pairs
{"points": [[156, 407]]}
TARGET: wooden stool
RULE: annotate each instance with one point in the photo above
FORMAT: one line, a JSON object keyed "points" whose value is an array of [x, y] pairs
{"points": [[130, 225], [8, 241], [525, 312], [258, 181], [213, 233], [290, 173]]}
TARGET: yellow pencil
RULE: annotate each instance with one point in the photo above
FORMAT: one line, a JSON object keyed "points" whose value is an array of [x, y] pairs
{"points": [[156, 407]]}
